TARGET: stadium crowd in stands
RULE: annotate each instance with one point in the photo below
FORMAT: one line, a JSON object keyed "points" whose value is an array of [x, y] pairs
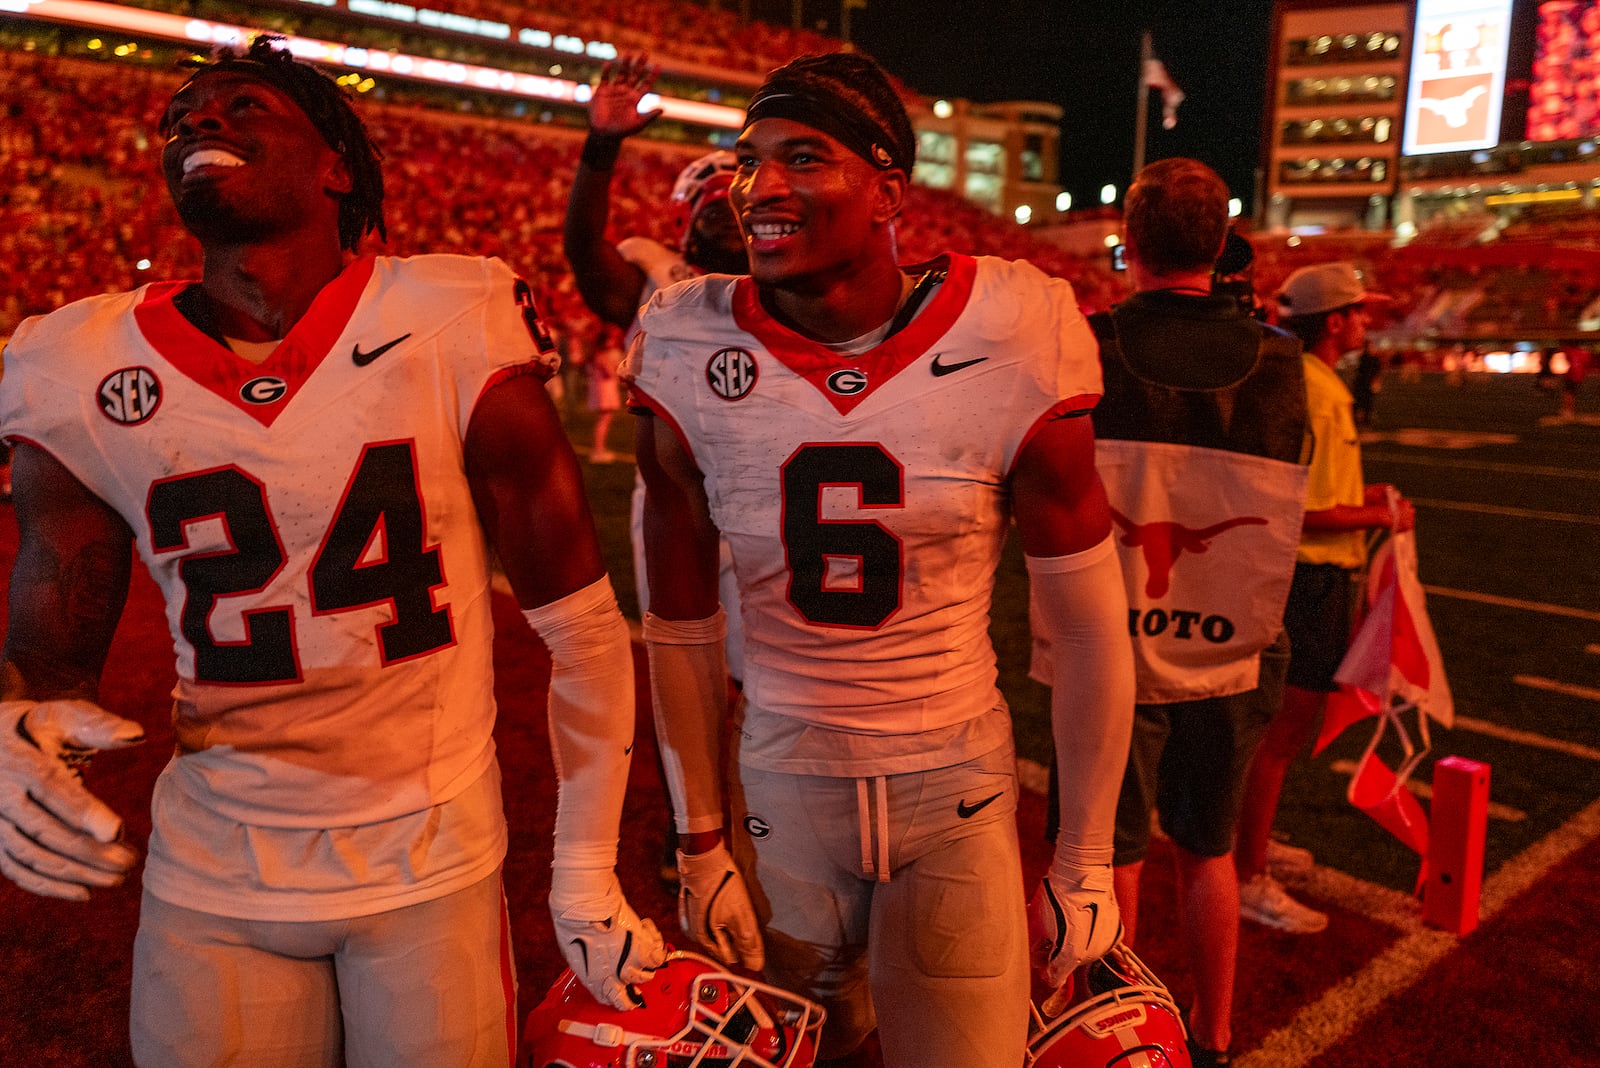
{"points": [[80, 136]]}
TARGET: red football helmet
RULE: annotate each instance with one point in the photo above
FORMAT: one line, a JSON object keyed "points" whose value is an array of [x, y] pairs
{"points": [[695, 1014], [1126, 1020], [705, 181]]}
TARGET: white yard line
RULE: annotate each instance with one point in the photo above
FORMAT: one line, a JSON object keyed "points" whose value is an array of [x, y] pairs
{"points": [[1513, 602], [1569, 689], [1454, 464], [1500, 509], [1538, 741]]}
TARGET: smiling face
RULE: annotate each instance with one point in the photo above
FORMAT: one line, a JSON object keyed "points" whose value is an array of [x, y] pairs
{"points": [[243, 162], [715, 243], [812, 212]]}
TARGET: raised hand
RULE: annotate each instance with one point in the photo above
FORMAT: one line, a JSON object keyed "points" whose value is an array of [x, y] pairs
{"points": [[614, 107]]}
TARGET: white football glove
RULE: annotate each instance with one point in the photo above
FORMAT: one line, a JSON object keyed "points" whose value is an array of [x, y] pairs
{"points": [[1072, 920], [714, 907], [608, 946], [56, 838]]}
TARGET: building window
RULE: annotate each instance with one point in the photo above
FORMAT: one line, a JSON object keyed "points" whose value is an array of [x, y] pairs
{"points": [[1328, 48], [1369, 129], [1362, 89], [1332, 170]]}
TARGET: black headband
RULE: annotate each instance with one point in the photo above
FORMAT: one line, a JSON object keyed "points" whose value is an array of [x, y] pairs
{"points": [[814, 106]]}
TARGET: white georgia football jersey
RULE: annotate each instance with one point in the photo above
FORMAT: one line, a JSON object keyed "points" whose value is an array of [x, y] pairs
{"points": [[308, 520], [662, 267], [865, 497]]}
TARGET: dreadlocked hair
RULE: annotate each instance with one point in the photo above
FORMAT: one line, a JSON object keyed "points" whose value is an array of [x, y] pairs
{"points": [[328, 108]]}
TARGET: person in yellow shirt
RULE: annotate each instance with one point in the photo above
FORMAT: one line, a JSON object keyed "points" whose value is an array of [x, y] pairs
{"points": [[1326, 305]]}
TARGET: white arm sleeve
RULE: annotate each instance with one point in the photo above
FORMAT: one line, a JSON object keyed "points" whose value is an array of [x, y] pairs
{"points": [[689, 690], [1079, 602], [591, 727]]}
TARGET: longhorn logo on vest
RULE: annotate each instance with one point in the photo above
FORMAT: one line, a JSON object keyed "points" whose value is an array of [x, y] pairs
{"points": [[1162, 543], [847, 382], [731, 373], [263, 390], [129, 396]]}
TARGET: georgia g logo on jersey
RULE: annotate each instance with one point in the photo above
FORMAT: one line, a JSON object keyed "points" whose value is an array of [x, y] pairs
{"points": [[847, 382], [731, 373], [263, 390], [129, 396]]}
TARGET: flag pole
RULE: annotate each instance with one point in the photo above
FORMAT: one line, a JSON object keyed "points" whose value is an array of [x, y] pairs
{"points": [[1141, 120]]}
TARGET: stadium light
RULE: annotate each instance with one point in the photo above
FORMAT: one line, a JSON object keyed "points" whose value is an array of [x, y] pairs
{"points": [[1235, 207], [1063, 201], [1108, 194], [1113, 240], [1023, 214], [196, 31], [942, 109]]}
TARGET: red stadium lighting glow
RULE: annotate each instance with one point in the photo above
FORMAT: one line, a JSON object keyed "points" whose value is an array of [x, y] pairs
{"points": [[330, 53]]}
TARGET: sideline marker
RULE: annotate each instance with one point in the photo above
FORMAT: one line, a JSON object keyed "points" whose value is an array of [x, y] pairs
{"points": [[1460, 819]]}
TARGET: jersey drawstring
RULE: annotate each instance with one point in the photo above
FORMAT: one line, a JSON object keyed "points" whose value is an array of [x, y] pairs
{"points": [[863, 810]]}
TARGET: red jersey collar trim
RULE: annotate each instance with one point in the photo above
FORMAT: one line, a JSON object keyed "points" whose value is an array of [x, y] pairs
{"points": [[217, 368], [814, 362]]}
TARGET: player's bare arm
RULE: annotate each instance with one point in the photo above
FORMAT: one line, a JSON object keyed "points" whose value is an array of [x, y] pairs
{"points": [[608, 284], [529, 492], [1065, 523], [68, 587], [1057, 500], [680, 536]]}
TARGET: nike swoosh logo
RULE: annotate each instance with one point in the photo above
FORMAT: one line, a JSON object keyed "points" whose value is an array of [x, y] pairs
{"points": [[627, 750], [1094, 918], [966, 811], [361, 359], [583, 948], [941, 369]]}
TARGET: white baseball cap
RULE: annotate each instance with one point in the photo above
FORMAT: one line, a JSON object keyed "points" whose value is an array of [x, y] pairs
{"points": [[1325, 287]]}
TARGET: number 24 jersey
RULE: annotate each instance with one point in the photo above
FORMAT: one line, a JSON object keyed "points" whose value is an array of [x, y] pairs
{"points": [[865, 497], [308, 520]]}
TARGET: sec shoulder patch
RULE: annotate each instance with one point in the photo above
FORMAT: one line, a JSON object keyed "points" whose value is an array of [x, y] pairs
{"points": [[130, 395], [731, 373]]}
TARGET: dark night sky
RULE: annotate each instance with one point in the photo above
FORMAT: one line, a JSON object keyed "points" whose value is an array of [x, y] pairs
{"points": [[1084, 56]]}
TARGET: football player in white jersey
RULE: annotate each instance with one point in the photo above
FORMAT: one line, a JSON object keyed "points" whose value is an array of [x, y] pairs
{"points": [[862, 434], [313, 454]]}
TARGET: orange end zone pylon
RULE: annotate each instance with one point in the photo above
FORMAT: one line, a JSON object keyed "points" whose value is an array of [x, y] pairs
{"points": [[1459, 822]]}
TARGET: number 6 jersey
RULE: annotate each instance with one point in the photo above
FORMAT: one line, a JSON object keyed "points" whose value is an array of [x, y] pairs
{"points": [[308, 520], [865, 497]]}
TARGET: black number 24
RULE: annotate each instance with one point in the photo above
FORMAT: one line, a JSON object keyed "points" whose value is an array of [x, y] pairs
{"points": [[381, 501]]}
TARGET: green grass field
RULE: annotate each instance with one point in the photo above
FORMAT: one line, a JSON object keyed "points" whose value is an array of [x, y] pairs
{"points": [[1508, 506]]}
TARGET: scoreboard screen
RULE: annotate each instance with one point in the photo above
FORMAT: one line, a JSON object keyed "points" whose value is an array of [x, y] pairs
{"points": [[1566, 72], [1458, 75]]}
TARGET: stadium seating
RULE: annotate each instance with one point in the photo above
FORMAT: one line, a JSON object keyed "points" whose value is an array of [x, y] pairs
{"points": [[79, 150]]}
